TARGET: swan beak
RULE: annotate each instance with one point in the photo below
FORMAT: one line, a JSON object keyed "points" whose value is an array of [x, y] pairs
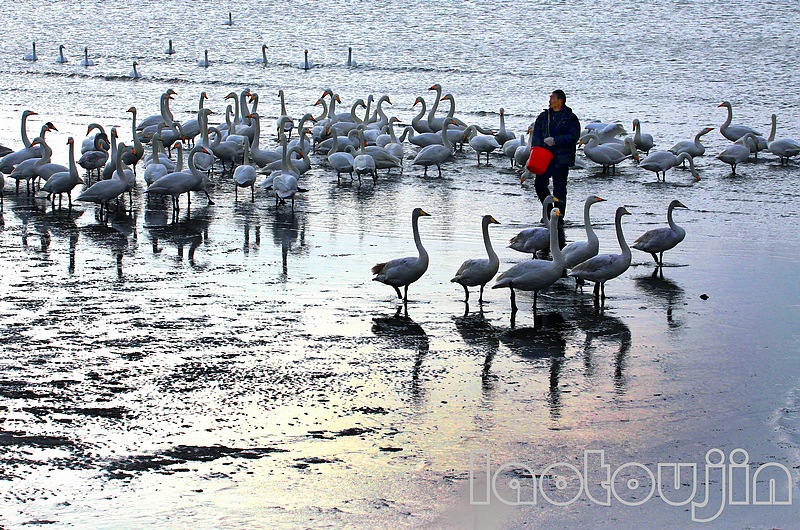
{"points": [[696, 179], [423, 213], [493, 220], [681, 205], [599, 199]]}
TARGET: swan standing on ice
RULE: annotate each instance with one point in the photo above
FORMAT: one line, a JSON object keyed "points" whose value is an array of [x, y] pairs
{"points": [[604, 267], [402, 272], [532, 240], [479, 271], [534, 275], [659, 240], [63, 181]]}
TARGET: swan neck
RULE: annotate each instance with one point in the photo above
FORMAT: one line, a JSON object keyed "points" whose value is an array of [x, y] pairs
{"points": [[25, 141], [587, 222], [773, 129], [423, 254], [626, 251], [487, 242]]}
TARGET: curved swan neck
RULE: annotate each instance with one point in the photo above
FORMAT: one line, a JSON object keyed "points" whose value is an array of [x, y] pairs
{"points": [[73, 167], [555, 248], [587, 221], [730, 115], [545, 214], [620, 236], [25, 141], [423, 254], [435, 105], [773, 129], [493, 258]]}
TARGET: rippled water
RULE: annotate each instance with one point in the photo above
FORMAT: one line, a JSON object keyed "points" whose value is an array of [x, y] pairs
{"points": [[238, 368]]}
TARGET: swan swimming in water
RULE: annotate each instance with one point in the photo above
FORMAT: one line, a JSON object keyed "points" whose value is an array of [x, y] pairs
{"points": [[350, 61], [31, 56], [785, 148], [479, 271], [692, 147], [204, 62], [134, 73], [659, 240], [644, 142], [306, 64], [170, 49], [86, 61], [402, 272], [61, 58]]}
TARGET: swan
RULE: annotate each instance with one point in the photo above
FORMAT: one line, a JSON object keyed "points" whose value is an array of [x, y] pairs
{"points": [[341, 161], [285, 126], [8, 162], [64, 181], [523, 152], [481, 144], [503, 135], [163, 109], [263, 59], [420, 125], [784, 148], [605, 155], [737, 153], [31, 56], [95, 158], [534, 275], [644, 142], [661, 161], [104, 191], [402, 272], [245, 175], [435, 155], [532, 240], [229, 22], [225, 151], [734, 132], [579, 251], [204, 62], [659, 240], [27, 169], [604, 267], [155, 169], [420, 139], [111, 165], [509, 147], [179, 182], [350, 61], [694, 147], [606, 132], [43, 167], [135, 73], [306, 64], [479, 271], [363, 163], [86, 61], [88, 143], [170, 49], [61, 58], [261, 157], [132, 158], [436, 124], [394, 146]]}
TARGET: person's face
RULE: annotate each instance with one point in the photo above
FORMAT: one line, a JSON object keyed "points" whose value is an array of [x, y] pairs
{"points": [[555, 102]]}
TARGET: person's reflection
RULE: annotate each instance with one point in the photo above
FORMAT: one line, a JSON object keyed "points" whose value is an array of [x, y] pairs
{"points": [[662, 290], [544, 341], [401, 332]]}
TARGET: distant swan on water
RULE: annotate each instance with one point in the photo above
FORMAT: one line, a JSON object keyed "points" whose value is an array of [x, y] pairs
{"points": [[61, 58], [134, 73], [31, 56]]}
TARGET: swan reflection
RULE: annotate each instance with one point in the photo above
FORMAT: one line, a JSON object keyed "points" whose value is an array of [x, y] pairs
{"points": [[601, 329], [120, 236], [289, 232], [189, 233], [401, 332], [479, 333], [662, 291]]}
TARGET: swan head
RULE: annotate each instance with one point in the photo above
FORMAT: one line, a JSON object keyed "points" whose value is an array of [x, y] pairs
{"points": [[436, 87], [677, 204], [724, 104], [488, 219], [170, 92], [132, 109], [502, 111], [418, 100], [49, 126], [419, 212]]}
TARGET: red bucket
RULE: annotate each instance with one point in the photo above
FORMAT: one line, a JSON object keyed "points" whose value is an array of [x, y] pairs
{"points": [[539, 160]]}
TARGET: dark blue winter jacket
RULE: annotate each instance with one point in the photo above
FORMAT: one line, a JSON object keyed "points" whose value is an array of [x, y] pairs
{"points": [[565, 129]]}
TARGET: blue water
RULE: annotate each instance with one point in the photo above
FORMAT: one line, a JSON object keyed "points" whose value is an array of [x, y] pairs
{"points": [[247, 326]]}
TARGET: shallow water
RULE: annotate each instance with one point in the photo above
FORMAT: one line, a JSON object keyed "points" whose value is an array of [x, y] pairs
{"points": [[237, 367]]}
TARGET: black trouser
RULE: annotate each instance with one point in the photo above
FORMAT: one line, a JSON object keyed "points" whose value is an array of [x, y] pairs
{"points": [[542, 184]]}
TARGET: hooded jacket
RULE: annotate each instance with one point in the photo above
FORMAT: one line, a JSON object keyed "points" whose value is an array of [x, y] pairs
{"points": [[565, 129]]}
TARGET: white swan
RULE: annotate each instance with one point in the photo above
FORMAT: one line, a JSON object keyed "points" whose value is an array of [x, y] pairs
{"points": [[661, 161], [734, 132], [263, 59], [481, 144], [350, 61], [43, 166], [104, 191], [64, 181], [644, 142], [341, 161], [306, 64], [204, 62], [523, 152], [420, 139], [31, 56], [532, 240], [692, 147], [785, 148], [245, 175], [179, 182], [8, 162], [363, 163], [135, 73], [579, 251], [229, 22], [61, 58], [659, 240], [534, 275], [170, 49], [479, 271], [86, 61], [606, 155], [402, 272], [503, 135], [435, 155], [604, 267], [420, 125], [155, 169], [94, 159], [737, 153]]}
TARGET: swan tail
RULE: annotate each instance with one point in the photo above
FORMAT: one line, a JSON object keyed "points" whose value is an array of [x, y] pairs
{"points": [[378, 268]]}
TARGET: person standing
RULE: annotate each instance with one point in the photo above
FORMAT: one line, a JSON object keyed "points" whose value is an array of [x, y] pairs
{"points": [[558, 130]]}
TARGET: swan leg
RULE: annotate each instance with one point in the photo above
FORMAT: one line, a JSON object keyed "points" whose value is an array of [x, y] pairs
{"points": [[513, 299], [480, 298], [440, 169], [655, 258], [253, 193], [535, 296], [399, 294], [405, 294], [466, 292]]}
